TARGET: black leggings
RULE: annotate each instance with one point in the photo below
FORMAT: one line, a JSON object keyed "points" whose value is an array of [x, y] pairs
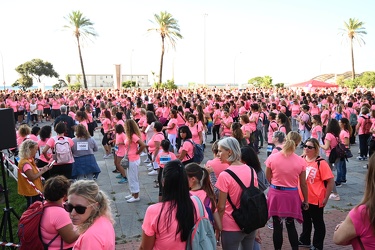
{"points": [[216, 131], [314, 215], [278, 232]]}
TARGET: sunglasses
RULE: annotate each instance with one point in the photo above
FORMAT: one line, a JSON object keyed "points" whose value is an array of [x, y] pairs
{"points": [[79, 209], [309, 147]]}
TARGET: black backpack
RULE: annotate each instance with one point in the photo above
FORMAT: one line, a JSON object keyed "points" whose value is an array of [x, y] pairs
{"points": [[253, 212], [337, 152]]}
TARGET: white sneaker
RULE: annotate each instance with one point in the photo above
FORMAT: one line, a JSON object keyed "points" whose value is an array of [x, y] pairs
{"points": [[131, 200], [150, 165], [128, 196], [143, 154], [334, 197], [107, 156], [153, 172], [146, 161], [150, 168]]}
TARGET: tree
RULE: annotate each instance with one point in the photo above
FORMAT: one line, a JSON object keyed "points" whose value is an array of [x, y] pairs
{"points": [[169, 29], [354, 30], [61, 84], [264, 82], [169, 85], [36, 68], [128, 84], [24, 82], [82, 29]]}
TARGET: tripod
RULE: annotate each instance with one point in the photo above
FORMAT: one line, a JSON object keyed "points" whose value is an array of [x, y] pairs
{"points": [[6, 221]]}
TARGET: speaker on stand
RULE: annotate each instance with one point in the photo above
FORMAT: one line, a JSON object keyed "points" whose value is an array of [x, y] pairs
{"points": [[7, 140]]}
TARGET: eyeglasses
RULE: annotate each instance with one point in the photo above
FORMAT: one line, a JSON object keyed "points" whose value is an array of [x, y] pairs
{"points": [[79, 209], [309, 147]]}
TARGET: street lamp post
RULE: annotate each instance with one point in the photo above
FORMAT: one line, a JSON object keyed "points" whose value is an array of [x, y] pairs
{"points": [[204, 49], [234, 70], [131, 65], [2, 66]]}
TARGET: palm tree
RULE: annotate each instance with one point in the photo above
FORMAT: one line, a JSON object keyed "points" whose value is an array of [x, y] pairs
{"points": [[168, 28], [83, 29], [354, 30]]}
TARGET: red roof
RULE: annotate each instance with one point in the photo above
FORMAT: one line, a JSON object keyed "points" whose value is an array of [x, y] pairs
{"points": [[314, 84]]}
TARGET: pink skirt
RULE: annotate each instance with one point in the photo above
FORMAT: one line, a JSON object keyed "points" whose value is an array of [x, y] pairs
{"points": [[284, 203]]}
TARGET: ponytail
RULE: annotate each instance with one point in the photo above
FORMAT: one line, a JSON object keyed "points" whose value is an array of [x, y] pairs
{"points": [[289, 147]]}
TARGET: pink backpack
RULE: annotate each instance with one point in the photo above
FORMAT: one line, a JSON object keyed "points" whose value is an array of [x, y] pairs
{"points": [[62, 151]]}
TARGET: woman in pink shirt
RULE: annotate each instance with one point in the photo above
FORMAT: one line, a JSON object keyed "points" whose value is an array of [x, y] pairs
{"points": [[215, 165], [231, 235], [358, 227], [120, 152], [153, 146], [60, 168], [56, 221], [107, 126], [136, 146], [172, 127], [272, 127], [44, 134], [195, 129], [90, 212], [344, 136], [186, 151], [286, 171], [167, 224], [363, 132], [226, 123], [330, 142], [82, 118], [217, 122]]}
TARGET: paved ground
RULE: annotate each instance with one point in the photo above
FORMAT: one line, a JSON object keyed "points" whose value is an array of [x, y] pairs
{"points": [[129, 216]]}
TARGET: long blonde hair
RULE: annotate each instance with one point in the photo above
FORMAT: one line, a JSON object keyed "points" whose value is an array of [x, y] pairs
{"points": [[91, 192]]}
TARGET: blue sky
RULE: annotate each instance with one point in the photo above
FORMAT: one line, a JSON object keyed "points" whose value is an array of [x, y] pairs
{"points": [[290, 40]]}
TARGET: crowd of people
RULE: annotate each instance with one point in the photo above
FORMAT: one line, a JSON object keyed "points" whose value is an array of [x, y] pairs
{"points": [[165, 126]]}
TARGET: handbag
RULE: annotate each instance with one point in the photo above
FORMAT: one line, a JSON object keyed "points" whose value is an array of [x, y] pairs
{"points": [[348, 153], [125, 161]]}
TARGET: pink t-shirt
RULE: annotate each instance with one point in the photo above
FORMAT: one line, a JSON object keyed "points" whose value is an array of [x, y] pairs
{"points": [[333, 142], [54, 218], [254, 116], [325, 117], [295, 110], [41, 145], [189, 148], [216, 117], [172, 131], [285, 169], [51, 144], [195, 133], [362, 120], [273, 126], [106, 123], [217, 165], [226, 184], [344, 134], [315, 130], [120, 142], [133, 156], [165, 235], [245, 129], [363, 228], [201, 194], [157, 137], [164, 154], [227, 120], [100, 235]]}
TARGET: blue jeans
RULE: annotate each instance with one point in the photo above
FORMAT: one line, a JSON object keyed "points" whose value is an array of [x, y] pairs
{"points": [[341, 170]]}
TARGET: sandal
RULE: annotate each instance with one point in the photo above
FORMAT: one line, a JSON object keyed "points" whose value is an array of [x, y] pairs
{"points": [[115, 171]]}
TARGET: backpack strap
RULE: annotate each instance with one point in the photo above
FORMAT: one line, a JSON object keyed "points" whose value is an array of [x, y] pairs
{"points": [[192, 143], [200, 205], [46, 246], [239, 182]]}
